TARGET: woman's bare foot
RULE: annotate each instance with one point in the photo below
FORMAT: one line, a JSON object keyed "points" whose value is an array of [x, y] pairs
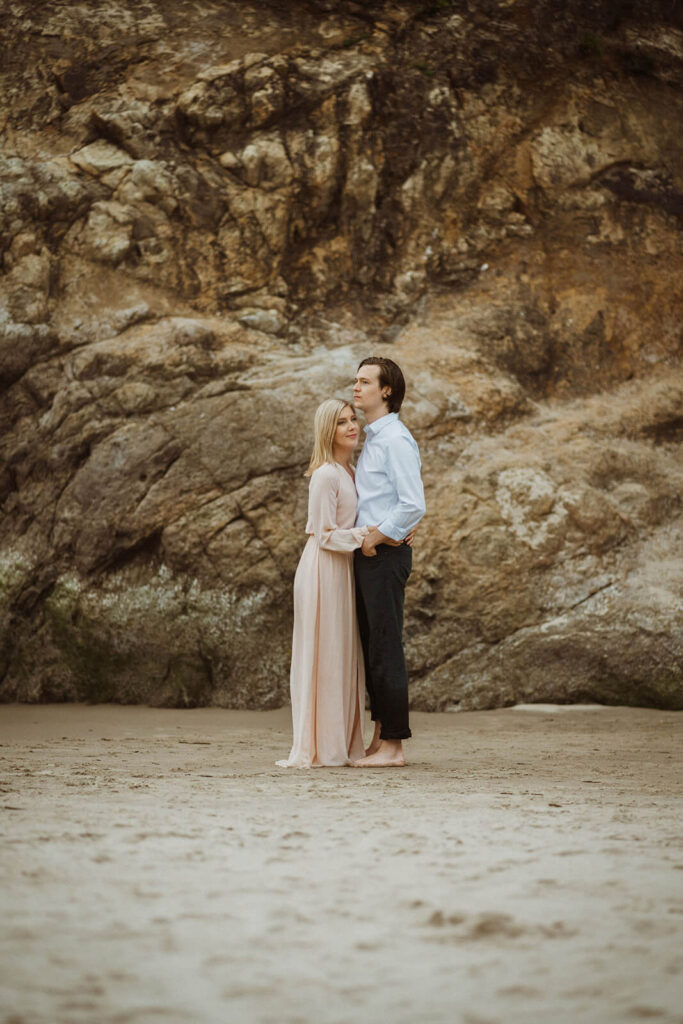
{"points": [[375, 742], [388, 755]]}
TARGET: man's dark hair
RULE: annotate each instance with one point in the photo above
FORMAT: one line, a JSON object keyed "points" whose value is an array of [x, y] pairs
{"points": [[390, 376]]}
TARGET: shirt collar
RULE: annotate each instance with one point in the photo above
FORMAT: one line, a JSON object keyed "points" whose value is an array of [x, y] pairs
{"points": [[381, 423]]}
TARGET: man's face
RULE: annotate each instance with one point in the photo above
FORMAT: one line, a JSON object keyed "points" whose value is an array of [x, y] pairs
{"points": [[366, 390]]}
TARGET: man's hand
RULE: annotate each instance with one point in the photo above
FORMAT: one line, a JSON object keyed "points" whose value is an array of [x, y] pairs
{"points": [[367, 547], [374, 538]]}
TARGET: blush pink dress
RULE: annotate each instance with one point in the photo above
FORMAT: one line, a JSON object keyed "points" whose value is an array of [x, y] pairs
{"points": [[327, 678]]}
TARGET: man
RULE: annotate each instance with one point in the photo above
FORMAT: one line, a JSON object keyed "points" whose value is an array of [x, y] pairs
{"points": [[391, 499]]}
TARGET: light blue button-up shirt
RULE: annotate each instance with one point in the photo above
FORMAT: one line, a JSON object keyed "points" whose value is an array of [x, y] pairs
{"points": [[390, 492]]}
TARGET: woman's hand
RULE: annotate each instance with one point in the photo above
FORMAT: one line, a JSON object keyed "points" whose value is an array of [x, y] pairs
{"points": [[374, 537], [406, 540]]}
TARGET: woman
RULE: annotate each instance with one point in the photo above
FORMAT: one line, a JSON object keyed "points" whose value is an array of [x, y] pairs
{"points": [[327, 679]]}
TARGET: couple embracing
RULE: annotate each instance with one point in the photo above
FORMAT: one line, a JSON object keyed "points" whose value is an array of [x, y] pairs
{"points": [[350, 582]]}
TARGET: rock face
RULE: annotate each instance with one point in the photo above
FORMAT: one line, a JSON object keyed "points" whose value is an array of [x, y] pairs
{"points": [[212, 211]]}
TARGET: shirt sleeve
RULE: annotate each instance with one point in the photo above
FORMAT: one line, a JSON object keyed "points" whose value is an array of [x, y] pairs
{"points": [[323, 496], [403, 470]]}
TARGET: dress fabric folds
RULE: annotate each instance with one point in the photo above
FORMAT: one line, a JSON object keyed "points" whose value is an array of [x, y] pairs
{"points": [[327, 679]]}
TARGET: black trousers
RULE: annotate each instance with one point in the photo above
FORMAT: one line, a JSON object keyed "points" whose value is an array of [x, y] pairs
{"points": [[380, 591]]}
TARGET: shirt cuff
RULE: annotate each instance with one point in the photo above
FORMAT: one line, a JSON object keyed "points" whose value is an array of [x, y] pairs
{"points": [[391, 531]]}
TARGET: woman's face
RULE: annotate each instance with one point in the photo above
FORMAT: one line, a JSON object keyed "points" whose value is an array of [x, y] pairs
{"points": [[346, 434]]}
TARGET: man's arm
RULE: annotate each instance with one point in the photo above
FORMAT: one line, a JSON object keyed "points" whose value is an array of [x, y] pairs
{"points": [[403, 469]]}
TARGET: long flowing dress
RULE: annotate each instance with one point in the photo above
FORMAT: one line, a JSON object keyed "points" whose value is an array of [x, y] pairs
{"points": [[327, 678]]}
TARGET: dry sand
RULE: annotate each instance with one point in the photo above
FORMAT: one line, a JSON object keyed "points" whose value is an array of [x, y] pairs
{"points": [[527, 866]]}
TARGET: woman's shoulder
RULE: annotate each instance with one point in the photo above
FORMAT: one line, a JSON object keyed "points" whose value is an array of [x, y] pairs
{"points": [[329, 472], [328, 469]]}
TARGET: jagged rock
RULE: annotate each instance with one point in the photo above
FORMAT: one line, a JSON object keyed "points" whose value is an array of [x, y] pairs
{"points": [[100, 158], [266, 164], [204, 232], [108, 232], [267, 320]]}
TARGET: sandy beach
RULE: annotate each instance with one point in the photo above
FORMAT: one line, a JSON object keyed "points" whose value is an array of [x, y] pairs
{"points": [[527, 866]]}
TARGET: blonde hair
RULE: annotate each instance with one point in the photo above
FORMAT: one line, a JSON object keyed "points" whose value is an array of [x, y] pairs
{"points": [[324, 428]]}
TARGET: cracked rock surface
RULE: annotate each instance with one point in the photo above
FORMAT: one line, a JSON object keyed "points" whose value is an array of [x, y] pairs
{"points": [[211, 211]]}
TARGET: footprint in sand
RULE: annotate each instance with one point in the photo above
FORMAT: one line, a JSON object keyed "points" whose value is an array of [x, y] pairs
{"points": [[461, 928]]}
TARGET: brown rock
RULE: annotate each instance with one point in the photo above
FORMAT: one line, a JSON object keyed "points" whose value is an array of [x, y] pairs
{"points": [[200, 245]]}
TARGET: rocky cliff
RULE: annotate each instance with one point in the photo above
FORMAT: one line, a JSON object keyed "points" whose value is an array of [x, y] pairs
{"points": [[211, 210]]}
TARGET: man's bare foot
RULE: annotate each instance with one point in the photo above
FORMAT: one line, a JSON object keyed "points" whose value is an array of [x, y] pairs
{"points": [[388, 755], [375, 742]]}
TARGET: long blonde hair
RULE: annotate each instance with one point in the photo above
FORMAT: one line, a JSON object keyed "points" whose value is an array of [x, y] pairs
{"points": [[324, 427]]}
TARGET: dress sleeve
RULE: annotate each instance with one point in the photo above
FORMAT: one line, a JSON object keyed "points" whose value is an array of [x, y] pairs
{"points": [[323, 496]]}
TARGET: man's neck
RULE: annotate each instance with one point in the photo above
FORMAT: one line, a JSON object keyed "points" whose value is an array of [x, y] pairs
{"points": [[370, 417]]}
